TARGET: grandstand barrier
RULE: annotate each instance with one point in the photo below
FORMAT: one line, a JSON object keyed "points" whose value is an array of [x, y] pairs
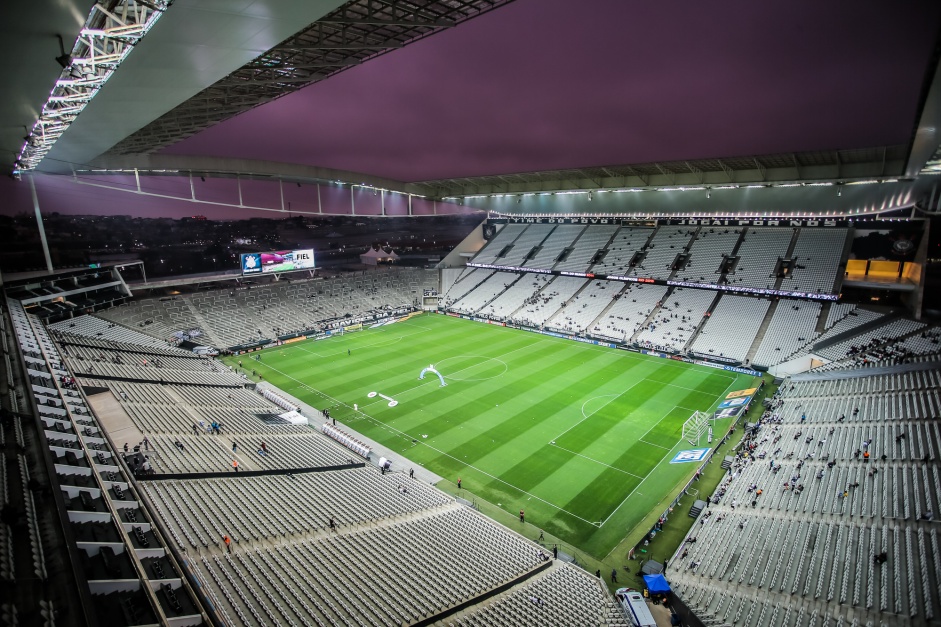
{"points": [[346, 440], [279, 401], [247, 473]]}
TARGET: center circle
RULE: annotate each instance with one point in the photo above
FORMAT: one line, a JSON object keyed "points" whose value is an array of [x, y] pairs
{"points": [[471, 367]]}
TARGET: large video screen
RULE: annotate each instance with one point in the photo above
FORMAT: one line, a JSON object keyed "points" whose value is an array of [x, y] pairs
{"points": [[277, 261]]}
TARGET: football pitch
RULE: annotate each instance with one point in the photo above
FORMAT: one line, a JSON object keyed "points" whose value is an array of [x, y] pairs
{"points": [[579, 436]]}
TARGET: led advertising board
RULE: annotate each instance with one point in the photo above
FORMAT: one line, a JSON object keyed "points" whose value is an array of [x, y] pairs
{"points": [[277, 261]]}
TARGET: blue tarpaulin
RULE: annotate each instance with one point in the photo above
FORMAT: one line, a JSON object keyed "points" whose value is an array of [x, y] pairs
{"points": [[656, 584]]}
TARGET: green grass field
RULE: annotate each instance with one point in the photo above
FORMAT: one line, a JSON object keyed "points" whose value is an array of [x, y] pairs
{"points": [[579, 436]]}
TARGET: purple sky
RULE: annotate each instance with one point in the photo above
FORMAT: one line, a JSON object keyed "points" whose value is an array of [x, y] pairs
{"points": [[546, 84]]}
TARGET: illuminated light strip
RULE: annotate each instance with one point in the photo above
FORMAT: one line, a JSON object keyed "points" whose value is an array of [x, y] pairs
{"points": [[83, 77]]}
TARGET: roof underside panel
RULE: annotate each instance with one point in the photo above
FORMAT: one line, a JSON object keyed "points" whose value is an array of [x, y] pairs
{"points": [[346, 37]]}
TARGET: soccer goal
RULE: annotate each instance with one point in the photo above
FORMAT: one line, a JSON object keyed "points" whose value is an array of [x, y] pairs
{"points": [[695, 427]]}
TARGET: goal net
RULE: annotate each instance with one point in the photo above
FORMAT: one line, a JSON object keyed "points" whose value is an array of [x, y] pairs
{"points": [[695, 427]]}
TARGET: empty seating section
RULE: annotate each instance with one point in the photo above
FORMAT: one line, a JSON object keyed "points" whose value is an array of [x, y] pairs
{"points": [[241, 508], [674, 323], [465, 284], [792, 325], [591, 240], [504, 237], [732, 327], [495, 284], [560, 239], [580, 312], [845, 524], [521, 249], [630, 310], [513, 298], [231, 316], [667, 243], [95, 327], [817, 255], [705, 255], [859, 344], [543, 305], [159, 317], [626, 242], [427, 564], [561, 596], [758, 255], [115, 364], [838, 311]]}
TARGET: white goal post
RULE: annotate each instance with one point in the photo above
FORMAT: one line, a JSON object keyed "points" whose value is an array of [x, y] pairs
{"points": [[695, 427]]}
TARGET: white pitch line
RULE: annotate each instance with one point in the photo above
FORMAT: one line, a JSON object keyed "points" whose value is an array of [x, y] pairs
{"points": [[592, 459], [456, 371], [652, 444]]}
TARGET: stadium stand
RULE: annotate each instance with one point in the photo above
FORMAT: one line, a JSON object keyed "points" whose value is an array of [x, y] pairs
{"points": [[817, 256], [124, 561], [561, 238], [675, 321], [732, 327], [631, 308], [885, 333], [667, 243], [621, 249], [228, 317], [706, 254], [758, 254], [497, 283], [829, 509], [592, 240], [523, 248], [581, 311], [464, 284], [542, 306], [792, 325], [513, 298], [506, 235]]}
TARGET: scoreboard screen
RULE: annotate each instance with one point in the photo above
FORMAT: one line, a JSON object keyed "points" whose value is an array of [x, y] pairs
{"points": [[277, 261]]}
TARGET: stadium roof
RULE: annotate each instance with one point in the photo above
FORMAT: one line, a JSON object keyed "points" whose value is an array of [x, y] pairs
{"points": [[463, 97]]}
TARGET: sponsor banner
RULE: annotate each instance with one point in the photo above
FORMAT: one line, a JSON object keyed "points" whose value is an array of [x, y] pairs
{"points": [[701, 362], [626, 347], [293, 339], [782, 222], [690, 456], [718, 358], [748, 392], [585, 220], [452, 314], [728, 412], [826, 223], [734, 402], [353, 327], [490, 266]]}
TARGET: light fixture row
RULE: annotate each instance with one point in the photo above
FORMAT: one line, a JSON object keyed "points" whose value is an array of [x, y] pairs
{"points": [[108, 37]]}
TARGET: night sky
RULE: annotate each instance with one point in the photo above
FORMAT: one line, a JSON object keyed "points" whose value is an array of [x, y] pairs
{"points": [[547, 84]]}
